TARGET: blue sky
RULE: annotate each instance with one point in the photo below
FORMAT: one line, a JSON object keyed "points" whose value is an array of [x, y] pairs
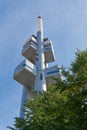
{"points": [[65, 23]]}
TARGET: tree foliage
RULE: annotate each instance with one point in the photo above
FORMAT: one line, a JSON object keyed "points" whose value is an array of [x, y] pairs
{"points": [[64, 105]]}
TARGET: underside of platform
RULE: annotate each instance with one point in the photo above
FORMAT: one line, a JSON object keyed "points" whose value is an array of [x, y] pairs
{"points": [[25, 74]]}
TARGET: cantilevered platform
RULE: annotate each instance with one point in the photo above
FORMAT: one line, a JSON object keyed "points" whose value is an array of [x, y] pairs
{"points": [[49, 51], [25, 74], [30, 48], [52, 72]]}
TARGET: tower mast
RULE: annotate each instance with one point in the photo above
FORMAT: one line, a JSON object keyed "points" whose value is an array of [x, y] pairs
{"points": [[33, 72], [40, 82]]}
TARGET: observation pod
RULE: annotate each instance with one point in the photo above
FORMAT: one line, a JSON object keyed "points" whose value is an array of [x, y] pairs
{"points": [[30, 48], [25, 74]]}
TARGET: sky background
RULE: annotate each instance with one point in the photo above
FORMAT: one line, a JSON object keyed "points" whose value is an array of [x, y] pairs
{"points": [[65, 23]]}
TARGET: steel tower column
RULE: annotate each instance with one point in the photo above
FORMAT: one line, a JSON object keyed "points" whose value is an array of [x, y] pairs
{"points": [[25, 96]]}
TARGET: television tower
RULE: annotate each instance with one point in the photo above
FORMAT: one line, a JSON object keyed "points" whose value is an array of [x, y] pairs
{"points": [[33, 72]]}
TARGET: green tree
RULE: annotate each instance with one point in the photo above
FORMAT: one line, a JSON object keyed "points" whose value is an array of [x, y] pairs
{"points": [[64, 105]]}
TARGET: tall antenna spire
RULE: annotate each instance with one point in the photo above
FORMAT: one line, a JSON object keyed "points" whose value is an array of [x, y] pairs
{"points": [[39, 24], [40, 82]]}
